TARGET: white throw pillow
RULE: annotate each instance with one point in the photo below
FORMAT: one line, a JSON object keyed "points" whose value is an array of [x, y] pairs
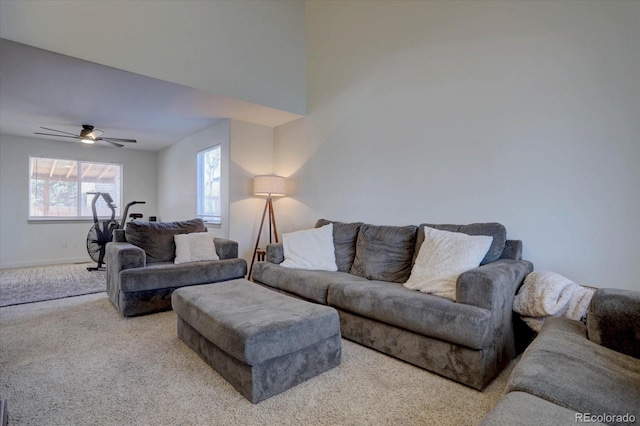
{"points": [[310, 249], [443, 256], [195, 247]]}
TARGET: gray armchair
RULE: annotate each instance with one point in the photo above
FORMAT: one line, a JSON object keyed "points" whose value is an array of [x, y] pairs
{"points": [[141, 274]]}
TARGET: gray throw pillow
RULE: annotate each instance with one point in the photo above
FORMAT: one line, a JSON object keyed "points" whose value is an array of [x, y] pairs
{"points": [[344, 241], [156, 238], [492, 229], [384, 253]]}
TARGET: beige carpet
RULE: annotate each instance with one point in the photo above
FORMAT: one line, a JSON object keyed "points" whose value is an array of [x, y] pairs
{"points": [[75, 361]]}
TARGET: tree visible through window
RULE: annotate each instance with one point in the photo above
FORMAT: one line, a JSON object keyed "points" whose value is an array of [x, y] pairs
{"points": [[209, 184], [58, 188]]}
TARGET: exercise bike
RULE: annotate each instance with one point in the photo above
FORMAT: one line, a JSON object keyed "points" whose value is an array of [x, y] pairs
{"points": [[101, 232]]}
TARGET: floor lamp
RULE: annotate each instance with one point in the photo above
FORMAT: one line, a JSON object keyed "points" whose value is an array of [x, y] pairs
{"points": [[267, 186]]}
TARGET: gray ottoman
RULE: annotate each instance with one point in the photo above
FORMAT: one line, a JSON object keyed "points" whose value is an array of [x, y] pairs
{"points": [[260, 341]]}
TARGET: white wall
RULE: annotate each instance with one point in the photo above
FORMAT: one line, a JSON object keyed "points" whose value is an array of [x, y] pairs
{"points": [[247, 150], [251, 155], [26, 244], [177, 175], [248, 50], [525, 113]]}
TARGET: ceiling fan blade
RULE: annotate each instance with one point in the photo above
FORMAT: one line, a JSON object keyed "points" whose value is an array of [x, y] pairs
{"points": [[117, 139], [58, 136], [54, 130], [112, 143]]}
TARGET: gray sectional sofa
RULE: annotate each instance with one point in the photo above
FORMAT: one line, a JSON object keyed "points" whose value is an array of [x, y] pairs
{"points": [[573, 373], [469, 340], [141, 274]]}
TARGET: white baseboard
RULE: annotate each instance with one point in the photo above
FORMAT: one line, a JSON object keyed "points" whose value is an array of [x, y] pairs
{"points": [[45, 262]]}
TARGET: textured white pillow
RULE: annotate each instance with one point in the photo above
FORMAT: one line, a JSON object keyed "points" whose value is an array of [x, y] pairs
{"points": [[443, 256], [195, 247], [310, 249]]}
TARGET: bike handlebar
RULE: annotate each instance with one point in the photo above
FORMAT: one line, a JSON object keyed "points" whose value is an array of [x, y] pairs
{"points": [[126, 211]]}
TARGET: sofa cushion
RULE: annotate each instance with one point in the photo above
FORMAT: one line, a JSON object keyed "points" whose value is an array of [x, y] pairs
{"points": [[384, 253], [421, 313], [344, 241], [492, 229], [310, 285], [564, 367], [523, 409], [156, 238]]}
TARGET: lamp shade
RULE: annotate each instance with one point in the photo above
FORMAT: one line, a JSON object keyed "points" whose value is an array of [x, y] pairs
{"points": [[269, 185]]}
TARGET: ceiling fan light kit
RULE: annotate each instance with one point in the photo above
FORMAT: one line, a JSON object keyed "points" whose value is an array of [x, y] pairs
{"points": [[88, 135]]}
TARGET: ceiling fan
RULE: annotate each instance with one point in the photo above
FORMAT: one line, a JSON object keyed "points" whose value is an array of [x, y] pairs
{"points": [[88, 134]]}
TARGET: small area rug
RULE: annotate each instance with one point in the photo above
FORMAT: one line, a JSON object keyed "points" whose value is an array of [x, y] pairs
{"points": [[76, 361], [39, 283]]}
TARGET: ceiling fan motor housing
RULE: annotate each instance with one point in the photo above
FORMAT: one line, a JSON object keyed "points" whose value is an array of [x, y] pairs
{"points": [[89, 132]]}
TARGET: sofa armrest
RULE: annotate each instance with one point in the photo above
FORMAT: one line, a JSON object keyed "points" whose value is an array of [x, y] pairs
{"points": [[614, 320], [492, 285], [119, 236], [275, 253], [226, 249], [512, 250], [118, 257], [124, 256]]}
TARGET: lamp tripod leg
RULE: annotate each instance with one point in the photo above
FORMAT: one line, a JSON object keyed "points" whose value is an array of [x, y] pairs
{"points": [[255, 250], [272, 215]]}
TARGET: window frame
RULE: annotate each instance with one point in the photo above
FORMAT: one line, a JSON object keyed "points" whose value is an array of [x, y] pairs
{"points": [[208, 218], [78, 217]]}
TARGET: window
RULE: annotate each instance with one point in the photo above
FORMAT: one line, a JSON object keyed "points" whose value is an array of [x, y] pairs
{"points": [[209, 184], [58, 188]]}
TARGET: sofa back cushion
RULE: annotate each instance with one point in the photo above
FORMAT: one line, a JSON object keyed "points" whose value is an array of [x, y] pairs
{"points": [[491, 229], [384, 253], [344, 242], [156, 238]]}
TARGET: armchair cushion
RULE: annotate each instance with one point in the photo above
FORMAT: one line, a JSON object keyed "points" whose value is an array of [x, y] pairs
{"points": [[156, 238]]}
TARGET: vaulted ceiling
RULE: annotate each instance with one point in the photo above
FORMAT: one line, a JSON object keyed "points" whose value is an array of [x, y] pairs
{"points": [[39, 88]]}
